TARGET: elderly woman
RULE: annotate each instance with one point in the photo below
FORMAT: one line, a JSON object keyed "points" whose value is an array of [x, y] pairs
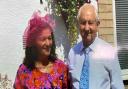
{"points": [[41, 69]]}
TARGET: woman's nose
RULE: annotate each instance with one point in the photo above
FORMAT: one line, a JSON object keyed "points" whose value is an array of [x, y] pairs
{"points": [[47, 42]]}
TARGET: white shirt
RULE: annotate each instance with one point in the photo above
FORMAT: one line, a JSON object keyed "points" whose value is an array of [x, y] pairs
{"points": [[104, 69]]}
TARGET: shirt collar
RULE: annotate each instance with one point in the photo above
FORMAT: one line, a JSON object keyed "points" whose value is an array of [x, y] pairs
{"points": [[92, 46]]}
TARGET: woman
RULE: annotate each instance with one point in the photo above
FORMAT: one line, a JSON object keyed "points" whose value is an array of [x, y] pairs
{"points": [[41, 69]]}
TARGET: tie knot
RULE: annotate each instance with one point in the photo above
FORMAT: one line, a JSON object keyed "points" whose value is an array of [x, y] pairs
{"points": [[87, 50]]}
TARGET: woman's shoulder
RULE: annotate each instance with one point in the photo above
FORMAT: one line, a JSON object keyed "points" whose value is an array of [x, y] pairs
{"points": [[22, 68], [60, 63]]}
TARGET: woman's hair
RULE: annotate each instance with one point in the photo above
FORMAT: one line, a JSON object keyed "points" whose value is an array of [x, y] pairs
{"points": [[36, 24], [31, 55]]}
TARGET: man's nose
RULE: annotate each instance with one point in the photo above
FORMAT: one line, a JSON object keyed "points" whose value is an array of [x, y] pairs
{"points": [[86, 26]]}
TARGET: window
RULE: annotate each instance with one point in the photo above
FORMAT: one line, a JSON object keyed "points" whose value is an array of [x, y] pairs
{"points": [[121, 11]]}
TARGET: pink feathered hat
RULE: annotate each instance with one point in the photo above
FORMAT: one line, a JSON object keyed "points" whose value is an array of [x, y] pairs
{"points": [[36, 22]]}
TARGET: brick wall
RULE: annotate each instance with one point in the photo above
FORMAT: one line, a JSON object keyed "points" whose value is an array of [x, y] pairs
{"points": [[106, 31]]}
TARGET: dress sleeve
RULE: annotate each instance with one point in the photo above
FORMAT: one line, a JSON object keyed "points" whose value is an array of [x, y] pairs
{"points": [[17, 83], [66, 81]]}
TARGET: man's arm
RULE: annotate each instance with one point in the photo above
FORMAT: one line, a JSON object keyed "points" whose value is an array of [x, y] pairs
{"points": [[115, 75]]}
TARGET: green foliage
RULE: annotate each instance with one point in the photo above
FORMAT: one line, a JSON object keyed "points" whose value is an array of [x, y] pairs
{"points": [[68, 10]]}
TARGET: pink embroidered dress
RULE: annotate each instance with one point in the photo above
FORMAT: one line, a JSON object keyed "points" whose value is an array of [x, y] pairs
{"points": [[57, 78]]}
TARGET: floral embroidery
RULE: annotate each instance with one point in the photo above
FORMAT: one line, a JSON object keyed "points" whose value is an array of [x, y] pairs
{"points": [[56, 79]]}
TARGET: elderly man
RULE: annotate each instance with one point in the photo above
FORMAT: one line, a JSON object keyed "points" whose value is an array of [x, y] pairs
{"points": [[93, 63]]}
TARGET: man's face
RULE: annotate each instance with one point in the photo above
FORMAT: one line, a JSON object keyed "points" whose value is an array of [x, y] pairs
{"points": [[88, 26]]}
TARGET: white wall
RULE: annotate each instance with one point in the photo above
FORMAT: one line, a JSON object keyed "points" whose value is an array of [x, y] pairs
{"points": [[14, 15], [61, 39]]}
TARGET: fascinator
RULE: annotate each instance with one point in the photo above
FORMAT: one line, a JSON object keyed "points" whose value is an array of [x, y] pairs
{"points": [[36, 22]]}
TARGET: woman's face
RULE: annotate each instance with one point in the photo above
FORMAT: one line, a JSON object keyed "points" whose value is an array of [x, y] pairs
{"points": [[43, 42]]}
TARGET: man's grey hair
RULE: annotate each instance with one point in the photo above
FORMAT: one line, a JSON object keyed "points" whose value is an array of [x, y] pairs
{"points": [[94, 6]]}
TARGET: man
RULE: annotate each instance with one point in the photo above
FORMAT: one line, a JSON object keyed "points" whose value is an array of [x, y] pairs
{"points": [[93, 63]]}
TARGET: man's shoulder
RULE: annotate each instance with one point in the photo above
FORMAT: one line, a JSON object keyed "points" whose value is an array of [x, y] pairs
{"points": [[104, 44], [77, 47], [104, 50]]}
